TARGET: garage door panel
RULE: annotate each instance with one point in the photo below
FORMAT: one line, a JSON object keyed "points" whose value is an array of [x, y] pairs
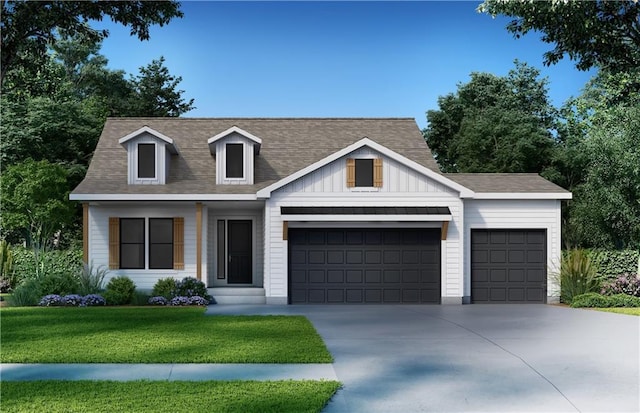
{"points": [[515, 271], [369, 266]]}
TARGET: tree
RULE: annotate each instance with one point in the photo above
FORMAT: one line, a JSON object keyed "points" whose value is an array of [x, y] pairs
{"points": [[599, 33], [29, 27], [494, 124], [35, 200], [155, 92]]}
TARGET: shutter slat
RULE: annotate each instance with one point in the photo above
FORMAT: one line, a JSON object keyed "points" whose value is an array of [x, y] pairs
{"points": [[377, 172], [114, 243], [351, 172], [178, 243]]}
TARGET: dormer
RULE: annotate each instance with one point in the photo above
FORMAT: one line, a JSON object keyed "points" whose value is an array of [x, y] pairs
{"points": [[148, 156], [235, 151]]}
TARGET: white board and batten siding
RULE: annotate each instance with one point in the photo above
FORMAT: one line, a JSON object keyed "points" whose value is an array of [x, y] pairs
{"points": [[145, 279], [516, 214], [402, 186], [163, 159]]}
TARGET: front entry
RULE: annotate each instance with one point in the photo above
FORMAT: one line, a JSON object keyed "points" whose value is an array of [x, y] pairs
{"points": [[239, 242]]}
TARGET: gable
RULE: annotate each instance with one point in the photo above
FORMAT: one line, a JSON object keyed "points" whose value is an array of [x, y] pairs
{"points": [[396, 178]]}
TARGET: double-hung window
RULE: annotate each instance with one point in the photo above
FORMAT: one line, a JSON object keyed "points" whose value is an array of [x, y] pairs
{"points": [[141, 243]]}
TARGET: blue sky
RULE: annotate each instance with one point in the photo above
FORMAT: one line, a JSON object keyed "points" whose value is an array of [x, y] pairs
{"points": [[332, 59]]}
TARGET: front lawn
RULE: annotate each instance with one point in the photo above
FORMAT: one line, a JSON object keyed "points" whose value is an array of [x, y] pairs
{"points": [[621, 310], [166, 396], [154, 335]]}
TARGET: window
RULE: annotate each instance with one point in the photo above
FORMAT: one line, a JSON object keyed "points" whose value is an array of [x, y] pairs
{"points": [[132, 243], [364, 173], [235, 160], [160, 243], [153, 243], [146, 160]]}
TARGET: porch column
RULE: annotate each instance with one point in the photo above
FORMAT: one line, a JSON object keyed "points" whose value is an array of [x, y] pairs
{"points": [[85, 233], [199, 241]]}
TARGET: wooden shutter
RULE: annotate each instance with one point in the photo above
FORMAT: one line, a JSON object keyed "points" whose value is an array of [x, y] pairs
{"points": [[178, 243], [351, 173], [377, 172], [114, 243]]}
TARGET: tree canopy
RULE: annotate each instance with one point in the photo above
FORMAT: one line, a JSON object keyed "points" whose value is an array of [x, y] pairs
{"points": [[600, 33], [493, 124], [30, 27]]}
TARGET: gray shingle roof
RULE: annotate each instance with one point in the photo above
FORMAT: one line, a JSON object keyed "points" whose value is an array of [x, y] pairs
{"points": [[288, 145]]}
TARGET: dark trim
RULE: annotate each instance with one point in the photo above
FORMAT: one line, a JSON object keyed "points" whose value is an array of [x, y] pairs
{"points": [[365, 211]]}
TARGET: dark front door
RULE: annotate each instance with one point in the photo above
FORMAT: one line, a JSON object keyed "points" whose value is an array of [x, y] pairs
{"points": [[239, 243]]}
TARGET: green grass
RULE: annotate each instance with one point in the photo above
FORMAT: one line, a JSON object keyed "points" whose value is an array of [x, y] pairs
{"points": [[621, 310], [154, 335], [166, 396]]}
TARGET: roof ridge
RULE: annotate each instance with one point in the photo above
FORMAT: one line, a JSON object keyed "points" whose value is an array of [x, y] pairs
{"points": [[257, 118]]}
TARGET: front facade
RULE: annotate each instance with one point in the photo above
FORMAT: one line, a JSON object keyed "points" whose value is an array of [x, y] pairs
{"points": [[314, 211]]}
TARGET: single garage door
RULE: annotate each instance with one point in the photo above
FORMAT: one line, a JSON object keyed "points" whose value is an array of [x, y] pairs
{"points": [[508, 266], [364, 266]]}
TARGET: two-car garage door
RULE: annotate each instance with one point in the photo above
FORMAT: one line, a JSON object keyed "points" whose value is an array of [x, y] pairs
{"points": [[361, 266]]}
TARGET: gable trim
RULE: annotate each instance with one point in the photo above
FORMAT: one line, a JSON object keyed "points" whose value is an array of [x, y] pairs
{"points": [[145, 129], [234, 129], [464, 192]]}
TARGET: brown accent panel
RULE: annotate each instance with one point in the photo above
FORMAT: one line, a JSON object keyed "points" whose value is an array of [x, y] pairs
{"points": [[351, 173], [285, 230], [85, 233], [199, 240], [114, 243], [445, 229], [178, 243], [377, 173]]}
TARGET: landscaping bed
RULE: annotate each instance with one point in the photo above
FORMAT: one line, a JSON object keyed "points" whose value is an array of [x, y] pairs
{"points": [[155, 335], [166, 396]]}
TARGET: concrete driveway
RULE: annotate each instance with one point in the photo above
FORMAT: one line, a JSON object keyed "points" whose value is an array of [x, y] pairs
{"points": [[497, 358]]}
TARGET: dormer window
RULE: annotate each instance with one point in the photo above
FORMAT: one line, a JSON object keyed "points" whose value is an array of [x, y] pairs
{"points": [[234, 160], [146, 160], [149, 155], [235, 151]]}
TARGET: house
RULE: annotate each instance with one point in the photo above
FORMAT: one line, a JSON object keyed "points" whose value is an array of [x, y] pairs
{"points": [[314, 211]]}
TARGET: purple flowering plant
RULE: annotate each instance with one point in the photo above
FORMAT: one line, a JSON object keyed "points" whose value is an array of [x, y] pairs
{"points": [[197, 300], [624, 284], [180, 300], [93, 300], [158, 300], [72, 300], [51, 300]]}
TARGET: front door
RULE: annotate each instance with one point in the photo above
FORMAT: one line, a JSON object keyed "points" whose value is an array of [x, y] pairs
{"points": [[240, 265]]}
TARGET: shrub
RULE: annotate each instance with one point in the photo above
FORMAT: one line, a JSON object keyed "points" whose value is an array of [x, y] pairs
{"points": [[158, 300], [196, 300], [164, 288], [611, 264], [72, 300], [190, 287], [179, 301], [7, 273], [604, 301], [93, 300], [120, 290], [26, 294], [140, 298], [60, 284], [577, 275], [5, 285], [29, 263], [51, 300], [91, 279], [625, 284]]}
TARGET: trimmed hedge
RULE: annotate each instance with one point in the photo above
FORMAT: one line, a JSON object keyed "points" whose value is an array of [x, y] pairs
{"points": [[612, 263], [595, 300], [56, 262]]}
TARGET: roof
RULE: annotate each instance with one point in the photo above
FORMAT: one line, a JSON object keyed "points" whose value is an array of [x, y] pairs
{"points": [[365, 210], [499, 184], [288, 145]]}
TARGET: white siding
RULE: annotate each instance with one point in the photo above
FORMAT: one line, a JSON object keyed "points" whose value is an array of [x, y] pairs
{"points": [[145, 279], [256, 216], [402, 186], [515, 214]]}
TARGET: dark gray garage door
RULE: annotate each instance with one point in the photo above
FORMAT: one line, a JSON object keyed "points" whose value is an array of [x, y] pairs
{"points": [[363, 266], [508, 266]]}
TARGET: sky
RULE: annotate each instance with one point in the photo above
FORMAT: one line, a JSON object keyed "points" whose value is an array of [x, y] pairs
{"points": [[332, 59]]}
